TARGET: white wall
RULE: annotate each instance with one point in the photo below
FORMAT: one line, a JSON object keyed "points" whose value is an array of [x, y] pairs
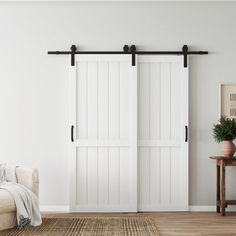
{"points": [[34, 85]]}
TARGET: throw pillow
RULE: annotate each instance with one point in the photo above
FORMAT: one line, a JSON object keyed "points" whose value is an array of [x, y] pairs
{"points": [[2, 173]]}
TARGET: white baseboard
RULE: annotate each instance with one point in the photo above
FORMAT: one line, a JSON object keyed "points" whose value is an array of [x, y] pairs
{"points": [[192, 208], [202, 208], [54, 208], [209, 208]]}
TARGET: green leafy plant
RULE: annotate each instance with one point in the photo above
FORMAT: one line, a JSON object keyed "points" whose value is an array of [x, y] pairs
{"points": [[225, 129]]}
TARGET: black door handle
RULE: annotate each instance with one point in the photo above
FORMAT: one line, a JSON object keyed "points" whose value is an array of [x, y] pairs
{"points": [[186, 133], [72, 133]]}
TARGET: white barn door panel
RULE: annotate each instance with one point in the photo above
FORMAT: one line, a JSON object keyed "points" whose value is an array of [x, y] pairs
{"points": [[104, 153], [163, 115]]}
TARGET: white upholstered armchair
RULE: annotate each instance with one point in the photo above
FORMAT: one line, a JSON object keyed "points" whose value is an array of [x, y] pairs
{"points": [[25, 176]]}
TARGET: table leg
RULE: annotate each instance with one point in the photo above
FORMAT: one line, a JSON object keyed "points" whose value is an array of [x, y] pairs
{"points": [[217, 187], [222, 187]]}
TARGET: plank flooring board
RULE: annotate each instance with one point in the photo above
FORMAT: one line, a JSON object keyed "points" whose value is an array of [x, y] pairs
{"points": [[178, 224]]}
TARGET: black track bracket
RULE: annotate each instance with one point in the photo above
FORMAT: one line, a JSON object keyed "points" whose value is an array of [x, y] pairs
{"points": [[185, 54], [73, 51], [133, 52]]}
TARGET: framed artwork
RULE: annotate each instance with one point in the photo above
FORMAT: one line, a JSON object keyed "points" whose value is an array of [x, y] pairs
{"points": [[228, 100]]}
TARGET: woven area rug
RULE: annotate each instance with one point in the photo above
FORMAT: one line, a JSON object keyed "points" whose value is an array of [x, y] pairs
{"points": [[90, 226]]}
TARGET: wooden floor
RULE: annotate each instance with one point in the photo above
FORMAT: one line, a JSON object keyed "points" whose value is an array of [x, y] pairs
{"points": [[181, 224]]}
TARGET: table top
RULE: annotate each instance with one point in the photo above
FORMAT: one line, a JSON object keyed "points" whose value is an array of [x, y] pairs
{"points": [[222, 158]]}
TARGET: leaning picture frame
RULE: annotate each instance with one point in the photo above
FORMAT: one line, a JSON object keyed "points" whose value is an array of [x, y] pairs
{"points": [[227, 100]]}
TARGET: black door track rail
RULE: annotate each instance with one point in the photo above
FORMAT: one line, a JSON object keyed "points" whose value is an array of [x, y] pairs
{"points": [[130, 50]]}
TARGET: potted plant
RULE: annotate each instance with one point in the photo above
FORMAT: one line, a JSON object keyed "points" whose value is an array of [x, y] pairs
{"points": [[225, 131]]}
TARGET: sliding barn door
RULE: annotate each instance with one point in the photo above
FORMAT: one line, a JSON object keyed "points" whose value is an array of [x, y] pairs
{"points": [[103, 90], [163, 144]]}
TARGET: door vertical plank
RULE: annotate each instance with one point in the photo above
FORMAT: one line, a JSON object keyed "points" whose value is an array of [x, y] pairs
{"points": [[155, 101], [144, 98], [144, 132], [81, 101], [185, 147], [81, 176], [155, 176], [92, 104], [114, 132], [124, 152], [114, 100], [124, 104], [155, 104], [177, 162], [114, 176], [92, 100], [176, 105], [165, 176], [165, 101], [165, 132], [103, 104], [133, 124], [103, 177], [124, 169], [103, 168], [72, 121], [92, 176], [177, 193], [144, 178]]}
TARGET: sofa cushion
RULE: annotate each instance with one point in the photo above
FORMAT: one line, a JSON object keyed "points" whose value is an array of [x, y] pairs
{"points": [[7, 202]]}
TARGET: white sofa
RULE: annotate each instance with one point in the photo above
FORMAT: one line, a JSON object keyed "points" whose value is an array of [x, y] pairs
{"points": [[29, 178]]}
